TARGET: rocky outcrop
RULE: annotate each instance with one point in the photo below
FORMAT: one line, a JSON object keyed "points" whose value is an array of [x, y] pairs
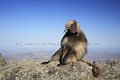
{"points": [[33, 70], [2, 61]]}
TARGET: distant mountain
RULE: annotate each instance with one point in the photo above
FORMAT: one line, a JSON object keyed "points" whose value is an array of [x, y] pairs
{"points": [[26, 56], [104, 55]]}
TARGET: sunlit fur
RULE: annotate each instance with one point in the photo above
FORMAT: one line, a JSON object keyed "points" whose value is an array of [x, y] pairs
{"points": [[74, 45], [75, 42], [68, 25]]}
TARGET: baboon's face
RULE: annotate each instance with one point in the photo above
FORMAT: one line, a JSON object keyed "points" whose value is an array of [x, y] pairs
{"points": [[71, 27]]}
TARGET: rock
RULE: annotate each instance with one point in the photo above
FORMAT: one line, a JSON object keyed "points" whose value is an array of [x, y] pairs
{"points": [[33, 70], [2, 61]]}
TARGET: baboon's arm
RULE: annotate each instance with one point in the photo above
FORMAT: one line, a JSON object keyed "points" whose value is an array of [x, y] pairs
{"points": [[55, 57], [58, 52], [69, 52]]}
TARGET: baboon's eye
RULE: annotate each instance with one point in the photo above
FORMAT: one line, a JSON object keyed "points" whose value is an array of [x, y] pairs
{"points": [[73, 26]]}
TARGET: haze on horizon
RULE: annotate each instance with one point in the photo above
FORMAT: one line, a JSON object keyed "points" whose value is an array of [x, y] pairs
{"points": [[43, 21]]}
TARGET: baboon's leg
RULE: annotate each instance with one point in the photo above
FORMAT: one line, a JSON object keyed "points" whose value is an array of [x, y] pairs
{"points": [[60, 59], [70, 52], [58, 52], [72, 58], [55, 57], [62, 54], [63, 60]]}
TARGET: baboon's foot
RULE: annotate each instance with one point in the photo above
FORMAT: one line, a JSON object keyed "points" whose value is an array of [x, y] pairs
{"points": [[44, 62]]}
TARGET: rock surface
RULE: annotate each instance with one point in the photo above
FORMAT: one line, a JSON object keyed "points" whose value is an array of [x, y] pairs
{"points": [[33, 70], [2, 61]]}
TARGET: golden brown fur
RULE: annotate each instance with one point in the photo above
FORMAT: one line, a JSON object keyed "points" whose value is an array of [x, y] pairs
{"points": [[77, 44], [73, 45]]}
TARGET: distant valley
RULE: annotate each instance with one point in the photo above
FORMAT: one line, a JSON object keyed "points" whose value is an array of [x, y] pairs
{"points": [[91, 55]]}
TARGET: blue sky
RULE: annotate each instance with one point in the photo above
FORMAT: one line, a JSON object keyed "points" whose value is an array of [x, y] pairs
{"points": [[36, 21]]}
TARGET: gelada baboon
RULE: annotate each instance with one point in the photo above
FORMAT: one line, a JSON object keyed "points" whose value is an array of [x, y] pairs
{"points": [[73, 45]]}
